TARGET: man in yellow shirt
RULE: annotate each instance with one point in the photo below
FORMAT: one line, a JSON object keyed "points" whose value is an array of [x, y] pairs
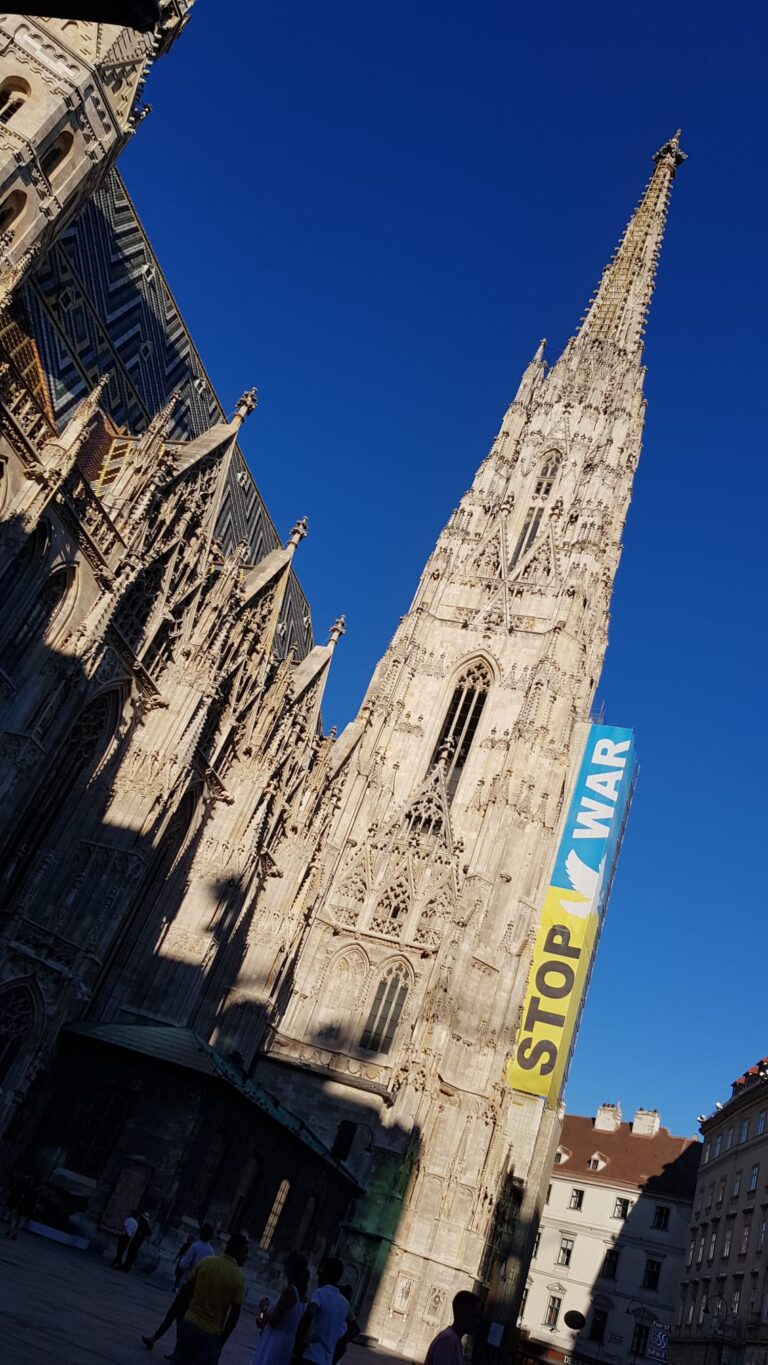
{"points": [[214, 1294]]}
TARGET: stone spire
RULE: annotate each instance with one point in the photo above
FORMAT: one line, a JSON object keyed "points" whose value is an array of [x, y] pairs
{"points": [[619, 308]]}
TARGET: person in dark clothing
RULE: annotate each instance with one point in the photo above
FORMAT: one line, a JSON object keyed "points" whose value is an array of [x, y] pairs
{"points": [[190, 1256], [143, 1229]]}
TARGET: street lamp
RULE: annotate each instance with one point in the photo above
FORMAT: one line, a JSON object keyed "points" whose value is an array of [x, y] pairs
{"points": [[720, 1315]]}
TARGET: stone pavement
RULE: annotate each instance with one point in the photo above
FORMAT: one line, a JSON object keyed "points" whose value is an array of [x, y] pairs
{"points": [[64, 1307]]}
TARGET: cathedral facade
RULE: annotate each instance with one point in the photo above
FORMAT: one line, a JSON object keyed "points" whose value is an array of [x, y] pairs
{"points": [[331, 937]]}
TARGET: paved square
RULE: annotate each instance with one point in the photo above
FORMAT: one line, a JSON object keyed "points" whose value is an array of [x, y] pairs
{"points": [[64, 1307]]}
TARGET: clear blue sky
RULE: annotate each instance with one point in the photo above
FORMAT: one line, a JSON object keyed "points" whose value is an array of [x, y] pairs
{"points": [[374, 212]]}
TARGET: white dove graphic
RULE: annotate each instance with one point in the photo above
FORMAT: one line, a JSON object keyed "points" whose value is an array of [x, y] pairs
{"points": [[584, 881]]}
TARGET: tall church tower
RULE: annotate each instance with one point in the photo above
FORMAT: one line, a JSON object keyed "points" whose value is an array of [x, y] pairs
{"points": [[69, 103], [401, 1005]]}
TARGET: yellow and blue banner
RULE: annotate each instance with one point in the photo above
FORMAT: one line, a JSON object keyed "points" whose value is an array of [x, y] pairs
{"points": [[571, 918]]}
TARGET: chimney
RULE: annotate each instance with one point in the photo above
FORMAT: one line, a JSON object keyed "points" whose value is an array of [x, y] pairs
{"points": [[608, 1118], [646, 1123]]}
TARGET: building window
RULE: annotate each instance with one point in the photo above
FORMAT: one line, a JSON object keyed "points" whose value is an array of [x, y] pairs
{"points": [[729, 1140], [699, 1202], [736, 1186], [727, 1239], [547, 476], [549, 1194], [576, 1200], [718, 1144], [743, 1130], [267, 1236], [736, 1300], [691, 1249], [705, 1154], [652, 1274], [754, 1173], [703, 1302], [639, 1340], [536, 1245], [708, 1202], [594, 1164], [386, 1010], [721, 1191], [610, 1264], [56, 154], [12, 208], [621, 1208], [689, 1314], [552, 1314], [566, 1251], [745, 1231], [460, 724], [760, 1123], [712, 1244], [14, 92], [101, 1120], [598, 1324], [661, 1217], [761, 1234], [700, 1252]]}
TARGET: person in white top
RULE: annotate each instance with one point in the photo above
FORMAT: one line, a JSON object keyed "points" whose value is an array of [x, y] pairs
{"points": [[129, 1230], [446, 1348], [281, 1323], [325, 1320]]}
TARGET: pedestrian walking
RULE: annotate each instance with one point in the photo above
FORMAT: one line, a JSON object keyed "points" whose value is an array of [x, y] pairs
{"points": [[280, 1323], [130, 1225], [325, 1319], [188, 1259], [143, 1230], [446, 1348], [214, 1297]]}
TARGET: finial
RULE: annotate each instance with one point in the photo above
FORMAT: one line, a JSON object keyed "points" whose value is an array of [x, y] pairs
{"points": [[672, 150], [298, 532], [246, 404], [338, 629], [15, 273], [542, 346]]}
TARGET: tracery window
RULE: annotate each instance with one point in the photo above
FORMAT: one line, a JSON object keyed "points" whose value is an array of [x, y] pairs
{"points": [[461, 723], [40, 616], [533, 517], [386, 1010], [392, 911], [18, 1016]]}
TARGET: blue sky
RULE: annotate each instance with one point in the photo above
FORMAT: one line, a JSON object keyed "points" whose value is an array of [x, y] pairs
{"points": [[374, 213]]}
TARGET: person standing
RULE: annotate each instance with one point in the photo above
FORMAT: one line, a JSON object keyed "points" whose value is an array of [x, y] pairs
{"points": [[213, 1298], [143, 1230], [325, 1320], [352, 1328], [188, 1260], [130, 1225], [280, 1323], [446, 1348]]}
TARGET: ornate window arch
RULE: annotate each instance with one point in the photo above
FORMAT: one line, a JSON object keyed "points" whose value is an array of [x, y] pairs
{"points": [[43, 613], [55, 155], [392, 910], [461, 721], [14, 93], [542, 491], [20, 1008], [386, 1008]]}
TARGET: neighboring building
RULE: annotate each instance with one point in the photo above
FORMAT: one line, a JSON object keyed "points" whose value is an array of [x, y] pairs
{"points": [[389, 933], [611, 1241], [722, 1309]]}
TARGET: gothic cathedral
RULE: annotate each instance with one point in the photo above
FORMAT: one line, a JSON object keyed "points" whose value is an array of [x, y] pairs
{"points": [[249, 971]]}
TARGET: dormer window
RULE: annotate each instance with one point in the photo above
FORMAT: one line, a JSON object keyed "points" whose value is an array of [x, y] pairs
{"points": [[561, 1156], [597, 1161]]}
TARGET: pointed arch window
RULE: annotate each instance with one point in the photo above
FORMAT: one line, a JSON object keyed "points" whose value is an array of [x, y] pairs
{"points": [[460, 724], [542, 490], [18, 1017], [386, 1010]]}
